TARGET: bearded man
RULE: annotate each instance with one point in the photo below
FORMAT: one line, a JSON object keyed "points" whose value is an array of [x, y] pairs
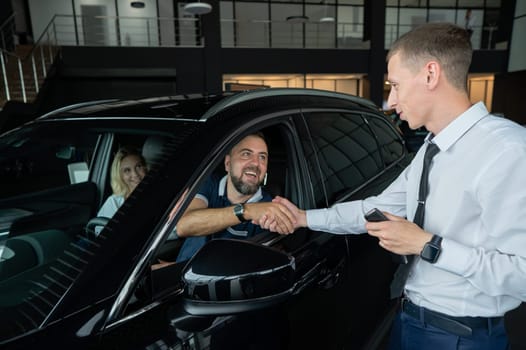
{"points": [[227, 207]]}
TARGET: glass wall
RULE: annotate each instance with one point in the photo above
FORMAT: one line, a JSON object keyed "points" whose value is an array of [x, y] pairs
{"points": [[480, 17], [251, 31], [352, 84], [113, 23], [293, 24]]}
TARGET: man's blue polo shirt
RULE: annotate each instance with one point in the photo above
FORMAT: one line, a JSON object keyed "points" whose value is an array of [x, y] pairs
{"points": [[213, 193]]}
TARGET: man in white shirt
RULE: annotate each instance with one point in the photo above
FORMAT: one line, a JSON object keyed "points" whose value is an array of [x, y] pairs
{"points": [[470, 257]]}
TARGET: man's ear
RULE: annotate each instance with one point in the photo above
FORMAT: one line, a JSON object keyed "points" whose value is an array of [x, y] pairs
{"points": [[433, 72], [227, 163]]}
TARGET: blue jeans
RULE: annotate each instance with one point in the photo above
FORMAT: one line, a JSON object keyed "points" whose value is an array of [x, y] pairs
{"points": [[409, 333]]}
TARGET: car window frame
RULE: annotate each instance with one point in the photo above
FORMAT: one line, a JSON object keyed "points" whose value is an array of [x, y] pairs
{"points": [[364, 115], [172, 214]]}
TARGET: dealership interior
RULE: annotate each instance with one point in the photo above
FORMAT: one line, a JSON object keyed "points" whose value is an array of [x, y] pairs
{"points": [[60, 52]]}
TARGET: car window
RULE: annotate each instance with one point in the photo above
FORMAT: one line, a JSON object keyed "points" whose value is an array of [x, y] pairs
{"points": [[44, 246], [45, 199], [311, 160], [41, 158], [150, 146], [348, 152], [389, 141], [279, 182]]}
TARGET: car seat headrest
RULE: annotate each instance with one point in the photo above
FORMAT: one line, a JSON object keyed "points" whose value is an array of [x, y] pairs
{"points": [[152, 148]]}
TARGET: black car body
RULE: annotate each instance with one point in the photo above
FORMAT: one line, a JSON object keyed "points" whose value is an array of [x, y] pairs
{"points": [[61, 287]]}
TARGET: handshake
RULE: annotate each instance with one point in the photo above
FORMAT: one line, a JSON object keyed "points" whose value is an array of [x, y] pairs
{"points": [[280, 215]]}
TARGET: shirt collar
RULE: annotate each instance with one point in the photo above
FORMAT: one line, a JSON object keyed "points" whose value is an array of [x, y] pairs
{"points": [[222, 189], [458, 127]]}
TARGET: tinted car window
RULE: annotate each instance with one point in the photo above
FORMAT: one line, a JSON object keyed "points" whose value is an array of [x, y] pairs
{"points": [[347, 150], [42, 158], [51, 192], [311, 160], [389, 142]]}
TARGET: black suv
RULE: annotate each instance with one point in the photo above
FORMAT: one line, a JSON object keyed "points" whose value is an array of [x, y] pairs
{"points": [[62, 287]]}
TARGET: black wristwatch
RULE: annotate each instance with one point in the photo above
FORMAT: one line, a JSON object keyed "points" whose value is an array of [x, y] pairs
{"points": [[432, 250], [239, 210]]}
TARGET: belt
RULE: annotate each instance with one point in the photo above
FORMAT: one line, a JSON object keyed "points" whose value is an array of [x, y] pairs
{"points": [[461, 326]]}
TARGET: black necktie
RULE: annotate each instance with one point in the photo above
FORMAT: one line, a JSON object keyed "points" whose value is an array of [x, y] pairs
{"points": [[400, 276]]}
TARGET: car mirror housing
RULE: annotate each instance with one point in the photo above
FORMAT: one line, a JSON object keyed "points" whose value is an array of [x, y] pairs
{"points": [[229, 276]]}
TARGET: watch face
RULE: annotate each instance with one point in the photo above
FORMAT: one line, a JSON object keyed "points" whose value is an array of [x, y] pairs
{"points": [[430, 252], [239, 210]]}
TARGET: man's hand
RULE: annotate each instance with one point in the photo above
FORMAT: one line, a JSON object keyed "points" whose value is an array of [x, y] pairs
{"points": [[161, 264], [282, 217], [298, 217], [399, 235]]}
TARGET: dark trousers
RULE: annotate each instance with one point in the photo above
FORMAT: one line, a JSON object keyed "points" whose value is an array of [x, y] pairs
{"points": [[410, 333]]}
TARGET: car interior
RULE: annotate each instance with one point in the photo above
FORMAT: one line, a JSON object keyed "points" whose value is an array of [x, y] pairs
{"points": [[41, 225]]}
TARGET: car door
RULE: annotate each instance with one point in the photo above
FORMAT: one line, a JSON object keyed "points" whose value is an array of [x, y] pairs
{"points": [[320, 261], [317, 302], [233, 329], [355, 154], [164, 288], [340, 281]]}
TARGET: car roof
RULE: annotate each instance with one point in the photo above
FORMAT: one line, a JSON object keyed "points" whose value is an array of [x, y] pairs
{"points": [[189, 107], [195, 107], [282, 92]]}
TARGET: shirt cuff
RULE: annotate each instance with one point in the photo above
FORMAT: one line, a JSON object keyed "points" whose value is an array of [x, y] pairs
{"points": [[454, 257], [316, 218]]}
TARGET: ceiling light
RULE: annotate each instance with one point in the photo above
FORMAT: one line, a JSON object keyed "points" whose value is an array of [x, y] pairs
{"points": [[297, 19], [197, 8], [137, 4], [327, 19]]}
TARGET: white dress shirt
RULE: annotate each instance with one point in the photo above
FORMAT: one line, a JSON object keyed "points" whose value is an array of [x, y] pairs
{"points": [[476, 202]]}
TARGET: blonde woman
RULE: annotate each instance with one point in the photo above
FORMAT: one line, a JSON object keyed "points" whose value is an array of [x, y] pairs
{"points": [[127, 171]]}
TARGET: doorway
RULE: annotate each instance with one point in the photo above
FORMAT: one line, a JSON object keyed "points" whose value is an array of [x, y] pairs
{"points": [[94, 25]]}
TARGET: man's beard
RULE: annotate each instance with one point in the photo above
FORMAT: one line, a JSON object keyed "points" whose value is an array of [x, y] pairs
{"points": [[244, 188]]}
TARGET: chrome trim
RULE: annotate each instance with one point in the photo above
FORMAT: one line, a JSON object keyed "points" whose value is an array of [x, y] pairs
{"points": [[121, 301]]}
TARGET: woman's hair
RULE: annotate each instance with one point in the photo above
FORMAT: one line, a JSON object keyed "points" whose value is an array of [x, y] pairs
{"points": [[446, 43], [117, 185]]}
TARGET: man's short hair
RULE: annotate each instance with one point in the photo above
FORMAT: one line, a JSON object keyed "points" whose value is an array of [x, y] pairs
{"points": [[256, 134], [446, 43]]}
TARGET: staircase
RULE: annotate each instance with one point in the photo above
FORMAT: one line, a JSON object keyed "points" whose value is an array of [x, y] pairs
{"points": [[25, 70]]}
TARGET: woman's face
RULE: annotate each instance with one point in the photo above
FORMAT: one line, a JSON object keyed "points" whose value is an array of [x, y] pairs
{"points": [[132, 171]]}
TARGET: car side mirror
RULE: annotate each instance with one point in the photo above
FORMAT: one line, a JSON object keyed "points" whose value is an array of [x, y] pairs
{"points": [[229, 276]]}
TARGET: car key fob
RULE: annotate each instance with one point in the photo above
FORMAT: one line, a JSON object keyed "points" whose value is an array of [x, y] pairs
{"points": [[375, 215]]}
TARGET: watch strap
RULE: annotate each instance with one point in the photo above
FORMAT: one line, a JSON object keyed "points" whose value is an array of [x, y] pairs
{"points": [[239, 210], [436, 240], [432, 249]]}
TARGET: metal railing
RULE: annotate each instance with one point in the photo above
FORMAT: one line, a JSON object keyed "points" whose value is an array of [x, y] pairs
{"points": [[482, 38], [128, 31], [286, 34], [8, 34], [22, 73]]}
